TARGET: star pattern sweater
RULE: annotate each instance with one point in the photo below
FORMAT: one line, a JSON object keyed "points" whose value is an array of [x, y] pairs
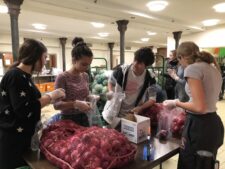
{"points": [[19, 105]]}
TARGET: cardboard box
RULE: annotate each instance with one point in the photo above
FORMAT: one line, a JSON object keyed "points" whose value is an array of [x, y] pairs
{"points": [[136, 132]]}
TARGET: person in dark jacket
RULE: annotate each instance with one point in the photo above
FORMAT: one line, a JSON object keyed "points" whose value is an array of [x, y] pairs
{"points": [[170, 83], [21, 103]]}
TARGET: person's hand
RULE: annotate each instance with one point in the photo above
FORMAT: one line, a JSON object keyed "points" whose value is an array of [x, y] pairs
{"points": [[137, 110], [83, 106], [170, 103], [56, 94], [109, 95], [173, 74], [93, 97]]}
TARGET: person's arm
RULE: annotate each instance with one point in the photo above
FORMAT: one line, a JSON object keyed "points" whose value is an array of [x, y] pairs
{"points": [[62, 105], [23, 99], [151, 96], [60, 82], [197, 104], [147, 104], [45, 100]]}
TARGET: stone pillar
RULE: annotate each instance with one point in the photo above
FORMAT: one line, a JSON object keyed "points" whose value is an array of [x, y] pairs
{"points": [[14, 10], [63, 44], [122, 27], [111, 45], [177, 36]]}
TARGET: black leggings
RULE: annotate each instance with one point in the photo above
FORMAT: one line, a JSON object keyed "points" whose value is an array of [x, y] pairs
{"points": [[201, 132], [12, 147]]}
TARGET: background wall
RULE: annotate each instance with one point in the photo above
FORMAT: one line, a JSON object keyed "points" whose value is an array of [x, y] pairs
{"points": [[100, 50], [208, 38]]}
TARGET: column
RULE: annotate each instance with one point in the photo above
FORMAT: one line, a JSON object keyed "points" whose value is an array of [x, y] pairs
{"points": [[63, 44], [177, 36], [111, 45], [14, 10], [122, 27]]}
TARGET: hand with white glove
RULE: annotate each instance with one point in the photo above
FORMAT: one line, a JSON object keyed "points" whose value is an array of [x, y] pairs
{"points": [[83, 106], [56, 94], [109, 95], [170, 103], [93, 97]]}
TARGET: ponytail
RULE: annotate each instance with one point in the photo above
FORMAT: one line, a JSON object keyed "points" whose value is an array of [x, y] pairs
{"points": [[208, 58]]}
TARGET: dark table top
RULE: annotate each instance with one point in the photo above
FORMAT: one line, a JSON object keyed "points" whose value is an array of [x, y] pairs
{"points": [[163, 151]]}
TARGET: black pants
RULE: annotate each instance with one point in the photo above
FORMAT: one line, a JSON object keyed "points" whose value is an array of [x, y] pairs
{"points": [[201, 132], [80, 118], [170, 93], [12, 147]]}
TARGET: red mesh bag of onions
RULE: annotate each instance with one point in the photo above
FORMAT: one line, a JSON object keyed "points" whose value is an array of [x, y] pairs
{"points": [[86, 148]]}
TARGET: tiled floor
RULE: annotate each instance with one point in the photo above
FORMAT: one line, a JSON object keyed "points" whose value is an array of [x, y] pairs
{"points": [[171, 163]]}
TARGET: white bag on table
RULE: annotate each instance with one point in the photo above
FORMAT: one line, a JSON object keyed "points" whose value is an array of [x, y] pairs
{"points": [[112, 109]]}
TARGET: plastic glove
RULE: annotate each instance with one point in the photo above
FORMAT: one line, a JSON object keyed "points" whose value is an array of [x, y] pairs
{"points": [[56, 94], [83, 106], [109, 95], [170, 103], [93, 97], [137, 110]]}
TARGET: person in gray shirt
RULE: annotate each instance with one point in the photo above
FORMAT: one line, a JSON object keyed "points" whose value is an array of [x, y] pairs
{"points": [[203, 128]]}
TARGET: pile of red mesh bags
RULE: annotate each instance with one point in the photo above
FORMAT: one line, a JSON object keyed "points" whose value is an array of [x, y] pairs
{"points": [[70, 146]]}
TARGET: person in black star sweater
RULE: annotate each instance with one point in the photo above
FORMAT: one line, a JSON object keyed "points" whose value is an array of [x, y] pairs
{"points": [[21, 103]]}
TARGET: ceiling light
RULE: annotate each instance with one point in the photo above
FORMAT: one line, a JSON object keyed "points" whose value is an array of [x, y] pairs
{"points": [[157, 5], [39, 26], [151, 33], [98, 24], [103, 34], [140, 14], [196, 27], [219, 7], [137, 41], [3, 9], [210, 22], [145, 39]]}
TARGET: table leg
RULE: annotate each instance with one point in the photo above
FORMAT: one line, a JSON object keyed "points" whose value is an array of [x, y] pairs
{"points": [[160, 165]]}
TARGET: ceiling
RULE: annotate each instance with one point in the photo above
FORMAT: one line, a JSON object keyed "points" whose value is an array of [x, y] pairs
{"points": [[70, 18]]}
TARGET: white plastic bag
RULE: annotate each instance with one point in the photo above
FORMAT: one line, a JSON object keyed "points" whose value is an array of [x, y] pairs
{"points": [[112, 108], [94, 116]]}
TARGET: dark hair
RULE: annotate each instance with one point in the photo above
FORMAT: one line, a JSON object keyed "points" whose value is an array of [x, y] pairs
{"points": [[76, 40], [30, 52], [144, 55], [80, 49]]}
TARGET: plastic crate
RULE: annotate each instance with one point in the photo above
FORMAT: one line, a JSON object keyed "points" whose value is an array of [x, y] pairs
{"points": [[49, 86], [41, 87]]}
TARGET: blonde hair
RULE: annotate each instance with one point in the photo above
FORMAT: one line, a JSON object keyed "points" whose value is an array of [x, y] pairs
{"points": [[190, 51]]}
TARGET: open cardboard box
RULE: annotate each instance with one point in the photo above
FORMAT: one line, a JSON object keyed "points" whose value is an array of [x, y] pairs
{"points": [[136, 132]]}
